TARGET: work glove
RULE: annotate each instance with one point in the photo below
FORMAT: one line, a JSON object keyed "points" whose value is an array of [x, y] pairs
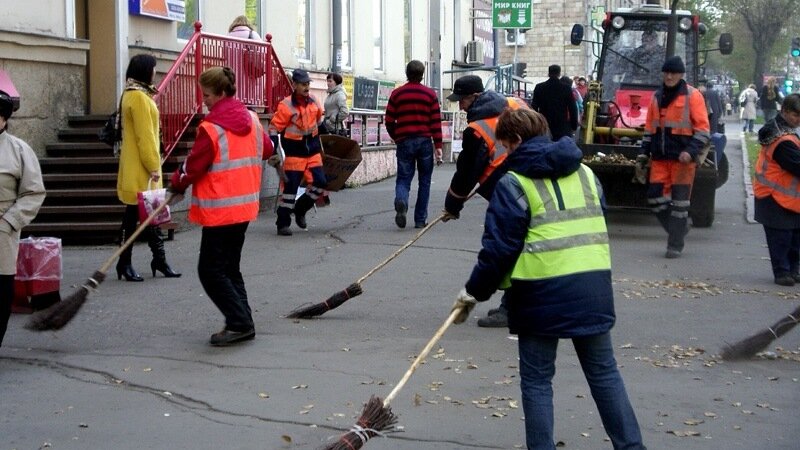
{"points": [[465, 302], [640, 170], [447, 215], [274, 160], [274, 139], [641, 160]]}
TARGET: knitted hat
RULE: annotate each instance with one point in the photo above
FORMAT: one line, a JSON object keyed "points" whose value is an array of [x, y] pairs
{"points": [[464, 86], [673, 64]]}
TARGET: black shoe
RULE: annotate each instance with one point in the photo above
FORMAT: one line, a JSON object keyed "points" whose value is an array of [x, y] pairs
{"points": [[796, 277], [228, 337], [784, 280], [284, 231], [163, 267], [400, 218], [300, 220], [128, 272], [421, 225], [493, 311], [672, 253], [496, 320]]}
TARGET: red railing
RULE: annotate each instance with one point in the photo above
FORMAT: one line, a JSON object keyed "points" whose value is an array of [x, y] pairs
{"points": [[180, 98]]}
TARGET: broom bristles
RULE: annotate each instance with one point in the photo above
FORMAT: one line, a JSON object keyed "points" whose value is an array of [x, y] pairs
{"points": [[748, 347], [58, 315], [334, 301], [375, 419]]}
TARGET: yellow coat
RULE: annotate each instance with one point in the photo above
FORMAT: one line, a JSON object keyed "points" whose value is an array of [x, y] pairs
{"points": [[140, 151]]}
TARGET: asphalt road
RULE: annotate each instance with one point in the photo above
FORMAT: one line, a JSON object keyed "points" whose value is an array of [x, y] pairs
{"points": [[133, 370]]}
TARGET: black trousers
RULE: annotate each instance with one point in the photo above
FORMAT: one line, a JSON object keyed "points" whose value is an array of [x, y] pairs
{"points": [[6, 297], [218, 269]]}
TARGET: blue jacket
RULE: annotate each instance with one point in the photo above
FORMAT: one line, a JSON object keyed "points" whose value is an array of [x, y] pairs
{"points": [[568, 306]]}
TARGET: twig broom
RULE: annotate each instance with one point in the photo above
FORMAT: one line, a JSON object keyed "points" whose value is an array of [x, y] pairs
{"points": [[57, 316], [354, 290], [748, 347], [377, 415]]}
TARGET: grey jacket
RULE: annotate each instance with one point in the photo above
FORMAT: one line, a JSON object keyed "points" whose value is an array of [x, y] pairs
{"points": [[21, 194], [335, 108]]}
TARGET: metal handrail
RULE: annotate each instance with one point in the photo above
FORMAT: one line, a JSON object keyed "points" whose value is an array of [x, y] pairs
{"points": [[180, 98]]}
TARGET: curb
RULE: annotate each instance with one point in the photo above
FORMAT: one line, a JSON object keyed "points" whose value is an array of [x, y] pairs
{"points": [[748, 183]]}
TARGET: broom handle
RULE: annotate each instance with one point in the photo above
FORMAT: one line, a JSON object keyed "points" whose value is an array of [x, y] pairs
{"points": [[422, 355], [400, 250], [104, 268]]}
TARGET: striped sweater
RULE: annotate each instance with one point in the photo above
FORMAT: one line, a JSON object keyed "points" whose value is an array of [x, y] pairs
{"points": [[413, 111]]}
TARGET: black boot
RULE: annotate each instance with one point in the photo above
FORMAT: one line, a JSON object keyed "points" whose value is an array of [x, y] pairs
{"points": [[301, 207], [159, 262], [124, 267]]}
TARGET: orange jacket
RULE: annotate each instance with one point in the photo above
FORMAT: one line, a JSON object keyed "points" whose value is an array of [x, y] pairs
{"points": [[228, 193], [681, 126], [772, 180], [485, 129], [297, 120]]}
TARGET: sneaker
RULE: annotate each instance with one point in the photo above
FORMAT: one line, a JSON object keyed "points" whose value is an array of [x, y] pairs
{"points": [[784, 280], [228, 337], [493, 311], [421, 225], [400, 218], [672, 253], [284, 231], [496, 320], [300, 220]]}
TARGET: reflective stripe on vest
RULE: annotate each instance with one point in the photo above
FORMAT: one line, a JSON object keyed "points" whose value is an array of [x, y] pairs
{"points": [[229, 192], [292, 130], [772, 180], [567, 240], [682, 126], [485, 129]]}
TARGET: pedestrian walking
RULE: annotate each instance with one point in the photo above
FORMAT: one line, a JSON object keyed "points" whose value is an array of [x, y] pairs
{"points": [[714, 108], [777, 190], [748, 100], [224, 168], [335, 105], [676, 130], [481, 159], [297, 120], [545, 242], [21, 195], [770, 99], [414, 122], [555, 101], [140, 164]]}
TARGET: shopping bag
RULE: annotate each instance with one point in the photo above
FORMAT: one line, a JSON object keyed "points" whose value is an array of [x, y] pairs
{"points": [[149, 201]]}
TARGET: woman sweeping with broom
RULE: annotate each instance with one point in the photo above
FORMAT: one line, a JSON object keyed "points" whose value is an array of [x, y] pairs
{"points": [[224, 166]]}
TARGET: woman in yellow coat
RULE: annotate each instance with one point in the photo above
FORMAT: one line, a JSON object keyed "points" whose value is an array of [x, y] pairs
{"points": [[139, 162]]}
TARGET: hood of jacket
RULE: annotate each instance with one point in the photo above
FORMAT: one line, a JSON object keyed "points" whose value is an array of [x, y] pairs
{"points": [[774, 129], [542, 158], [231, 114], [488, 104]]}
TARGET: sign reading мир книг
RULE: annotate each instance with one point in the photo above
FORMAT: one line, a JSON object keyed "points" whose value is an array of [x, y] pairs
{"points": [[511, 14]]}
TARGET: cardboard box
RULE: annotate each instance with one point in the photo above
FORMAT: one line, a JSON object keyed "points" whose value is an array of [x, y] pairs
{"points": [[342, 157]]}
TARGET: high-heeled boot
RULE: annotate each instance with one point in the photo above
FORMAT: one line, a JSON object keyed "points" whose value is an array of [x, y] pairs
{"points": [[124, 267], [159, 262]]}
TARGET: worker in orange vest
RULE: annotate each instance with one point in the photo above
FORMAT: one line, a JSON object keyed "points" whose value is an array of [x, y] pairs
{"points": [[676, 130], [480, 159], [297, 121], [777, 190], [224, 166]]}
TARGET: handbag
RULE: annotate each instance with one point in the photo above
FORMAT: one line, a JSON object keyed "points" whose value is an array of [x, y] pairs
{"points": [[149, 201], [111, 133]]}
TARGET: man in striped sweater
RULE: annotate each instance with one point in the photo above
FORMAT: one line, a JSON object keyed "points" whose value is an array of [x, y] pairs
{"points": [[414, 121]]}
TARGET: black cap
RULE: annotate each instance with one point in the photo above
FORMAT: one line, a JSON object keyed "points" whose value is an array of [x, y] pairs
{"points": [[673, 64], [464, 86], [300, 76], [6, 105]]}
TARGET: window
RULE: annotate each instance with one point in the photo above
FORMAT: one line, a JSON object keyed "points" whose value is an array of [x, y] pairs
{"points": [[252, 10], [186, 29], [377, 35], [347, 30], [302, 49]]}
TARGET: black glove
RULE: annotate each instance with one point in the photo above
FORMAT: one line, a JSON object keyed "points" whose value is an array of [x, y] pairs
{"points": [[274, 139]]}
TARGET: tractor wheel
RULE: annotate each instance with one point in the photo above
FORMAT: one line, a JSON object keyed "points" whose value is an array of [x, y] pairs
{"points": [[722, 171]]}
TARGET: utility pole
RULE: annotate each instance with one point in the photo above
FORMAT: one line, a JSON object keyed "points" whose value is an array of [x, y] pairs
{"points": [[434, 46]]}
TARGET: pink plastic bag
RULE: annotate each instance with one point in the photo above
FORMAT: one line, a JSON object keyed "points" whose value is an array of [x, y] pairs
{"points": [[149, 201]]}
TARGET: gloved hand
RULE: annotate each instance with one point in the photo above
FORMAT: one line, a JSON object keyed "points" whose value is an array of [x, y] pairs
{"points": [[274, 139], [465, 303], [447, 215], [640, 174], [642, 160], [274, 160]]}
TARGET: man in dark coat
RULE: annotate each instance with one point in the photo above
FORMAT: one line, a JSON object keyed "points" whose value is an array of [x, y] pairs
{"points": [[555, 102], [714, 106]]}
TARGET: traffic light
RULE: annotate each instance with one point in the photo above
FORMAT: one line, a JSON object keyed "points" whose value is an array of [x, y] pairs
{"points": [[787, 85], [795, 52]]}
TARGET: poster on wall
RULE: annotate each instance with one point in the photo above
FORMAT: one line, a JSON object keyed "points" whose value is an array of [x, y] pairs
{"points": [[482, 30], [365, 93], [385, 89], [174, 10], [347, 83]]}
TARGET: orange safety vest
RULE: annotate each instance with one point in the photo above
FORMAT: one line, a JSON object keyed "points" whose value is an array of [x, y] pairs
{"points": [[678, 116], [772, 180], [228, 193], [299, 121], [485, 129]]}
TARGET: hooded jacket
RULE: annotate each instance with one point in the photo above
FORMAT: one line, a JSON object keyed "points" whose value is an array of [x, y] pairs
{"points": [[230, 114], [572, 305]]}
